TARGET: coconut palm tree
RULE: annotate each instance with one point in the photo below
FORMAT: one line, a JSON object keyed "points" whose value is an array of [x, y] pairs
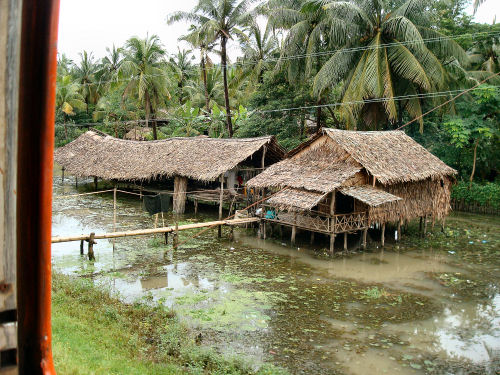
{"points": [[85, 72], [485, 54], [144, 66], [109, 66], [183, 71], [382, 54], [64, 65], [220, 20], [199, 39], [68, 98], [260, 47], [306, 29], [208, 92]]}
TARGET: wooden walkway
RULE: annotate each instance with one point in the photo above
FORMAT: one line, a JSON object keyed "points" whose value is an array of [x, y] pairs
{"points": [[142, 232]]}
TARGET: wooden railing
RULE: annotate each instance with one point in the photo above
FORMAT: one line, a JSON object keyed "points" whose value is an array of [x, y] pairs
{"points": [[321, 223]]}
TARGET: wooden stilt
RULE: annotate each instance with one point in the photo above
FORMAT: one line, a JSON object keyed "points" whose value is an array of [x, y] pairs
{"points": [[62, 176], [91, 246], [425, 225], [332, 243], [345, 241], [399, 230], [81, 247], [365, 233], [312, 238], [264, 234], [175, 241], [221, 201], [382, 237], [294, 232], [166, 238], [180, 188], [420, 226], [95, 183], [196, 206], [76, 182]]}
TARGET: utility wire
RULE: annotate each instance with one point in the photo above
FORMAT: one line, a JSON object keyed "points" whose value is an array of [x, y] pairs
{"points": [[301, 56]]}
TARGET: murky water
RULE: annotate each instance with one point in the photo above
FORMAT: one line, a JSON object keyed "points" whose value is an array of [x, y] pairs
{"points": [[423, 306]]}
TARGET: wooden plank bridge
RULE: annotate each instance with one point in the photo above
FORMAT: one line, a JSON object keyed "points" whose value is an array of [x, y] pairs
{"points": [[142, 232]]}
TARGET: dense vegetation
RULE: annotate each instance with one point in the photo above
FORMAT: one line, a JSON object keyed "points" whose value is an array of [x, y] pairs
{"points": [[304, 64]]}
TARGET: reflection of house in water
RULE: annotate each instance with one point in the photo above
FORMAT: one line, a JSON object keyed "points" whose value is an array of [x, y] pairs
{"points": [[208, 163], [154, 282], [345, 181]]}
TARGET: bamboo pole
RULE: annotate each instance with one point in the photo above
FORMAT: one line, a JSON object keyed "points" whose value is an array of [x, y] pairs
{"points": [[143, 232]]}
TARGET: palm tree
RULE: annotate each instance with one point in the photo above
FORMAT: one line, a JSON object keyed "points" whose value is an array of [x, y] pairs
{"points": [[68, 98], [306, 34], [85, 72], [183, 70], [64, 65], [220, 20], [208, 92], [198, 38], [144, 65], [258, 49], [485, 54], [381, 54], [110, 65]]}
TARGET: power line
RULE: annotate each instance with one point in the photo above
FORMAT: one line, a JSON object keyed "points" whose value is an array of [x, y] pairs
{"points": [[313, 54]]}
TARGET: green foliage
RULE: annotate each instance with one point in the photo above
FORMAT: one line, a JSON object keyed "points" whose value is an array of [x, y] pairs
{"points": [[482, 194]]}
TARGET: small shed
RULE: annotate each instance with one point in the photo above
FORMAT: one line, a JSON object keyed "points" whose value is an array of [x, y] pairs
{"points": [[199, 159], [344, 181]]}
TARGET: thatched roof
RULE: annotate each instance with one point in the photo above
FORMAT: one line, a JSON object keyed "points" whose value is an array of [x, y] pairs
{"points": [[322, 169], [330, 158], [390, 156], [294, 198], [368, 194], [138, 133], [198, 158]]}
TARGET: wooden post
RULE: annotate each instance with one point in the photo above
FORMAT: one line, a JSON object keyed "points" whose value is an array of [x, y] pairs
{"points": [[175, 241], [365, 233], [114, 209], [345, 241], [91, 246], [263, 162], [312, 238], [62, 176], [180, 188], [221, 201], [264, 234], [294, 232], [425, 225], [76, 182], [196, 206], [399, 229], [166, 238], [420, 226], [81, 247], [95, 183], [382, 237], [332, 204], [332, 243], [374, 181]]}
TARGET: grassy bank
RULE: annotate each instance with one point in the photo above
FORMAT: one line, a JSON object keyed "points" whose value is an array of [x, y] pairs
{"points": [[94, 333]]}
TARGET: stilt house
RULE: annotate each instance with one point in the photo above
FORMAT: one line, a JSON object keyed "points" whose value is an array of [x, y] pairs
{"points": [[346, 181], [209, 163]]}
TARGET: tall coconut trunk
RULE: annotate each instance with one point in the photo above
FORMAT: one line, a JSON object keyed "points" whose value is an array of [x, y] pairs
{"points": [[149, 112], [474, 163], [226, 91], [204, 75]]}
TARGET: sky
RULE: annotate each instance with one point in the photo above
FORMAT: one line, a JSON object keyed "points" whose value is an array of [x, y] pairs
{"points": [[93, 25]]}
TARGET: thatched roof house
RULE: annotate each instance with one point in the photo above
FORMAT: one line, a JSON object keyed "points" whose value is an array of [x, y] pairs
{"points": [[197, 158], [138, 133], [385, 175]]}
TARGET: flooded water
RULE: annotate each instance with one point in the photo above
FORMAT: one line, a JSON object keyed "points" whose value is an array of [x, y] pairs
{"points": [[424, 306]]}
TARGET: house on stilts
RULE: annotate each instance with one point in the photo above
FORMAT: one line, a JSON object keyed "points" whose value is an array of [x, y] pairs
{"points": [[197, 168], [342, 182]]}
